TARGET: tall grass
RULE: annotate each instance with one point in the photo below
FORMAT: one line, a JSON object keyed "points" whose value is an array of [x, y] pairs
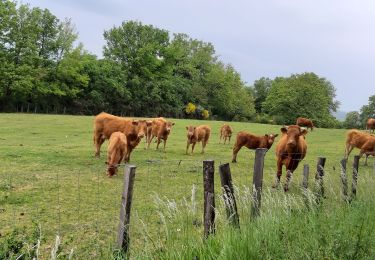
{"points": [[287, 228]]}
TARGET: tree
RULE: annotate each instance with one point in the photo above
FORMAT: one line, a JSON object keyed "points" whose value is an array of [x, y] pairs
{"points": [[368, 111], [30, 42], [261, 89], [139, 49], [352, 120], [305, 95]]}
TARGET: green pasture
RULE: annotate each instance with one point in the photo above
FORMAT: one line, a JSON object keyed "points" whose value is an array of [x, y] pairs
{"points": [[51, 183]]}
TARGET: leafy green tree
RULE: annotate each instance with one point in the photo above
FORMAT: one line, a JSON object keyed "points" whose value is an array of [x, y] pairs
{"points": [[261, 89], [29, 45], [305, 95], [352, 120], [368, 111], [139, 49], [190, 61]]}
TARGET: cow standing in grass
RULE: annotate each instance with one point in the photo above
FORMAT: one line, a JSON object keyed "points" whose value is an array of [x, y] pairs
{"points": [[106, 124], [252, 142], [370, 125], [160, 129], [197, 134], [117, 151], [361, 140], [225, 133], [290, 150], [305, 122]]}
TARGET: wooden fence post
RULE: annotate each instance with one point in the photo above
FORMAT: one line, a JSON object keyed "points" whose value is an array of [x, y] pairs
{"points": [[305, 184], [305, 181], [319, 178], [355, 175], [258, 181], [123, 238], [228, 194], [209, 198], [344, 179]]}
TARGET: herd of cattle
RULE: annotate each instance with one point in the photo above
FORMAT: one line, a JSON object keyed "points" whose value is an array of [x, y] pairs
{"points": [[125, 134]]}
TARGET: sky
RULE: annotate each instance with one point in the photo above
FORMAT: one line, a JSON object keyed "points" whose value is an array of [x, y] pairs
{"points": [[333, 38]]}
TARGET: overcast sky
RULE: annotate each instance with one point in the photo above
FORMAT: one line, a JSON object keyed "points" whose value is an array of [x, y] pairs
{"points": [[333, 38]]}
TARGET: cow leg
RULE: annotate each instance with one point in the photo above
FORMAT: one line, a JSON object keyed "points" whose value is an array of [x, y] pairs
{"points": [[98, 141], [192, 147], [165, 142], [220, 138], [203, 146], [187, 146], [225, 139], [235, 152], [348, 150], [278, 174], [361, 154], [288, 179], [149, 141], [229, 140], [146, 141], [158, 142], [127, 155]]}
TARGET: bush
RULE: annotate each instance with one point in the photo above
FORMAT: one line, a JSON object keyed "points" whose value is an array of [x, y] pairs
{"points": [[190, 108], [205, 114], [263, 119]]}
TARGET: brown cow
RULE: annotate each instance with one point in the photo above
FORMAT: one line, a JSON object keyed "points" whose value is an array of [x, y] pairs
{"points": [[370, 125], [252, 142], [160, 129], [117, 150], [290, 150], [225, 132], [197, 134], [105, 124], [361, 140], [305, 122]]}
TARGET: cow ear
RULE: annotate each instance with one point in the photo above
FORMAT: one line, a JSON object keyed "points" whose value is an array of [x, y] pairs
{"points": [[284, 129], [303, 131], [266, 135], [194, 127], [134, 122], [275, 135], [148, 123], [172, 123], [106, 162], [187, 128]]}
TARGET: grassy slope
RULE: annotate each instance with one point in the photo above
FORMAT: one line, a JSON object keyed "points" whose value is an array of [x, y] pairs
{"points": [[48, 174]]}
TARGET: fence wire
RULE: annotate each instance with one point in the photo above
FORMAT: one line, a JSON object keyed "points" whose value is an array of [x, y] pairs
{"points": [[83, 206]]}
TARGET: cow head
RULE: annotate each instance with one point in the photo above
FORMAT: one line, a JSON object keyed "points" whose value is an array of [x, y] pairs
{"points": [[141, 127], [168, 126], [111, 169], [270, 139], [293, 132], [190, 132]]}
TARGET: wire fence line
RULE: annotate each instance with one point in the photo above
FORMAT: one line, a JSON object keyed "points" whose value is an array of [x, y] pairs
{"points": [[83, 206]]}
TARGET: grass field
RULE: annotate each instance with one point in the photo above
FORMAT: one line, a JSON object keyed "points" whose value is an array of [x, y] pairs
{"points": [[49, 179]]}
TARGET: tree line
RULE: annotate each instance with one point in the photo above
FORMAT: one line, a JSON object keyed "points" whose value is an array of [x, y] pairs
{"points": [[145, 71], [358, 119]]}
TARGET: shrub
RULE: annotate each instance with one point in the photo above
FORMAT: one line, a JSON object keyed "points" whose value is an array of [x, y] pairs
{"points": [[190, 108], [205, 114]]}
